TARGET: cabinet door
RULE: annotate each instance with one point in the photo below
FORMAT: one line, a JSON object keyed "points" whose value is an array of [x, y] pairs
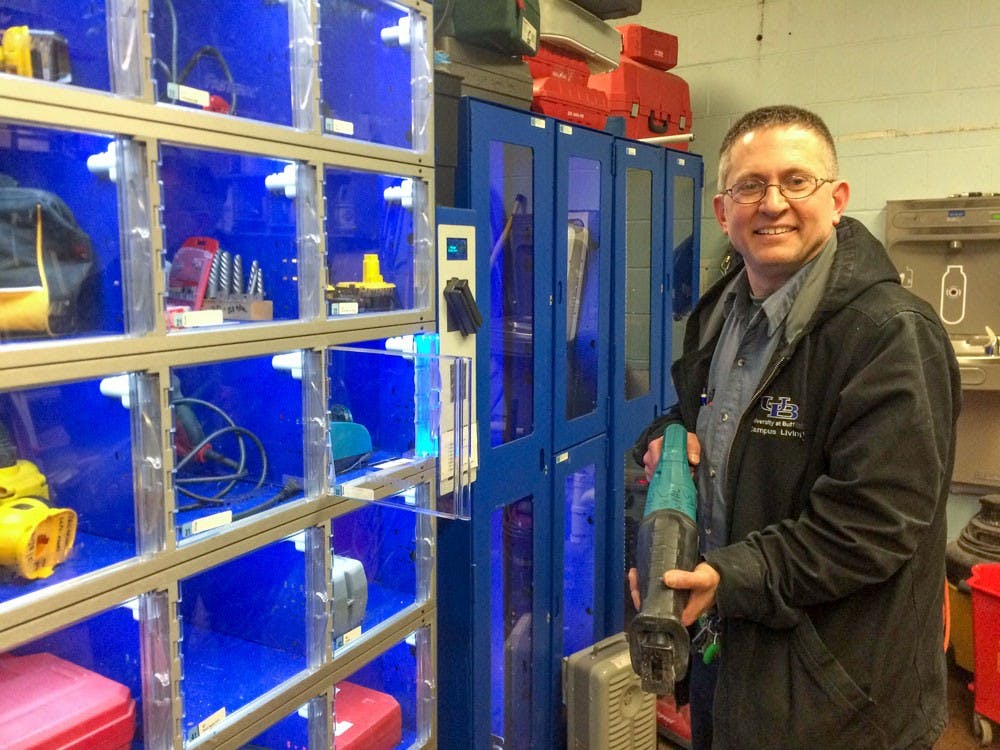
{"points": [[684, 181], [638, 331], [506, 178], [579, 543], [639, 336], [582, 234]]}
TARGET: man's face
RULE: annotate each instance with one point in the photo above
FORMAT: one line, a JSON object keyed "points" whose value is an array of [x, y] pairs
{"points": [[777, 236]]}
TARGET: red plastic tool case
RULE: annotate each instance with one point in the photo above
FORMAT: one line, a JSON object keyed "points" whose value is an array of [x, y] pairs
{"points": [[47, 703], [366, 719], [652, 102], [658, 49], [558, 63], [567, 101], [560, 88]]}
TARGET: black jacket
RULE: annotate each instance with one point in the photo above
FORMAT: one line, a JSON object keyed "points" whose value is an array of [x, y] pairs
{"points": [[832, 582]]}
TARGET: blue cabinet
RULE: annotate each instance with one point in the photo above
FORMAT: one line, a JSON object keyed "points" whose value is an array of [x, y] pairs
{"points": [[574, 280]]}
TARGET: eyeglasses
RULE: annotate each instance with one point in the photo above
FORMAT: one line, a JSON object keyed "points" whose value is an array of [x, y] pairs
{"points": [[794, 187]]}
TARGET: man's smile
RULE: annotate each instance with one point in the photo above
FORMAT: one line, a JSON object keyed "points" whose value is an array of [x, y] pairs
{"points": [[774, 230]]}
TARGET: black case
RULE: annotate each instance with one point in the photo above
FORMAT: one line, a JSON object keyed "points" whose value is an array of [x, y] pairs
{"points": [[606, 9]]}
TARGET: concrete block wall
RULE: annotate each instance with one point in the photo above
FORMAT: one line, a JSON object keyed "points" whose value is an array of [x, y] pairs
{"points": [[909, 88]]}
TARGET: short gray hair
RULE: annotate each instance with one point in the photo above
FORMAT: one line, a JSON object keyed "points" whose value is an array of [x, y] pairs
{"points": [[779, 115]]}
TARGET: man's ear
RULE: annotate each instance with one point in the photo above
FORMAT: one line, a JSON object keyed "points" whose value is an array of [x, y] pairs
{"points": [[841, 194], [719, 204]]}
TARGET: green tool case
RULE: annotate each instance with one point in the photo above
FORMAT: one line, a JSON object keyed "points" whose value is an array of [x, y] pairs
{"points": [[508, 26]]}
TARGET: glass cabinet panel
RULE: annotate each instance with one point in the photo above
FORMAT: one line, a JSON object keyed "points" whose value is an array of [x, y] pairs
{"points": [[582, 284], [685, 224], [638, 272], [578, 585], [512, 569], [512, 287]]}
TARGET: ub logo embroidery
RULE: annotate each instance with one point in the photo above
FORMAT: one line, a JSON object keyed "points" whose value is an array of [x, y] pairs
{"points": [[779, 408]]}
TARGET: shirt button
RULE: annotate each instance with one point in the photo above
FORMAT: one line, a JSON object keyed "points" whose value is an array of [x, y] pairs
{"points": [[740, 362], [708, 532], [711, 472], [725, 416]]}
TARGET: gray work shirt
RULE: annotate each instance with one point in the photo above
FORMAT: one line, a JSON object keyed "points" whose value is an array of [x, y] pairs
{"points": [[750, 335]]}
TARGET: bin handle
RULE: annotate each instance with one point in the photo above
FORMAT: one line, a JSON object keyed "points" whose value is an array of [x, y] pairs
{"points": [[655, 125]]}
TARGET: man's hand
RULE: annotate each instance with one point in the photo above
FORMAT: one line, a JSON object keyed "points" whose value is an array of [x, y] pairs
{"points": [[701, 582], [652, 455]]}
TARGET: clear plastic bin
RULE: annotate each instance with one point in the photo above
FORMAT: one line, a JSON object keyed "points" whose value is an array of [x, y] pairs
{"points": [[387, 703], [243, 631], [290, 732], [375, 73], [79, 687], [384, 421], [229, 238], [381, 568], [237, 441], [378, 243], [64, 225], [227, 57], [71, 505], [62, 41]]}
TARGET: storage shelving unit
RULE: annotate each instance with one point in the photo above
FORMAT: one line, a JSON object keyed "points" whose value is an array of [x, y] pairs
{"points": [[240, 557]]}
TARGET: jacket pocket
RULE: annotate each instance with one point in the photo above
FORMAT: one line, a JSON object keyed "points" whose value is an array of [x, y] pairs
{"points": [[841, 712], [784, 690]]}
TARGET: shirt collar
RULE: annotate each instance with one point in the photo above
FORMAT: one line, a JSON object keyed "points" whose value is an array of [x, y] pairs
{"points": [[775, 306]]}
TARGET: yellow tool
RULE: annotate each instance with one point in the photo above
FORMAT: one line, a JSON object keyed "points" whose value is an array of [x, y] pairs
{"points": [[371, 293], [34, 538], [35, 53]]}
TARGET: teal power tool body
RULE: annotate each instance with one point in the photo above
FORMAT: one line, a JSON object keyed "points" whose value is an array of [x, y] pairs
{"points": [[659, 644]]}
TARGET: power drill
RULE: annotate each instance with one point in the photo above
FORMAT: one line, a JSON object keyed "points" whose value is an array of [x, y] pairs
{"points": [[667, 539]]}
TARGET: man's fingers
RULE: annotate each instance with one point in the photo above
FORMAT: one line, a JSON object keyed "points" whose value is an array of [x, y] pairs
{"points": [[679, 579], [633, 585]]}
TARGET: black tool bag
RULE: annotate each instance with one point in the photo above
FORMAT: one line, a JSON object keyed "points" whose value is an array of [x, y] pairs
{"points": [[46, 262]]}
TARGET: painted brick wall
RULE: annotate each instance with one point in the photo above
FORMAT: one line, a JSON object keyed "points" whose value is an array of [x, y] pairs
{"points": [[909, 88]]}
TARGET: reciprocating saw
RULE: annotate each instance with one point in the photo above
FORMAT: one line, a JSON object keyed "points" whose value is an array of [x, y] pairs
{"points": [[659, 644]]}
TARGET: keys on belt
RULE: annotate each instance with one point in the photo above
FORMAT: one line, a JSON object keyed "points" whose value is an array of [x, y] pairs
{"points": [[707, 640]]}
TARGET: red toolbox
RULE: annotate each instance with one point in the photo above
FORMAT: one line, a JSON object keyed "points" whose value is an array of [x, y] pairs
{"points": [[658, 49], [652, 102], [571, 102], [985, 585], [366, 719], [551, 61], [47, 703]]}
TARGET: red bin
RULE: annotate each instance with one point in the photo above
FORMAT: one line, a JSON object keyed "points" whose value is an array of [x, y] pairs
{"points": [[985, 585]]}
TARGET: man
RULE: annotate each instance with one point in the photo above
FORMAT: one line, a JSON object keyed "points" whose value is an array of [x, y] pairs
{"points": [[823, 398]]}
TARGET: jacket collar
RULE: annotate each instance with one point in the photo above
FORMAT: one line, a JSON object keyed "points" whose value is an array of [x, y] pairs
{"points": [[852, 261]]}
